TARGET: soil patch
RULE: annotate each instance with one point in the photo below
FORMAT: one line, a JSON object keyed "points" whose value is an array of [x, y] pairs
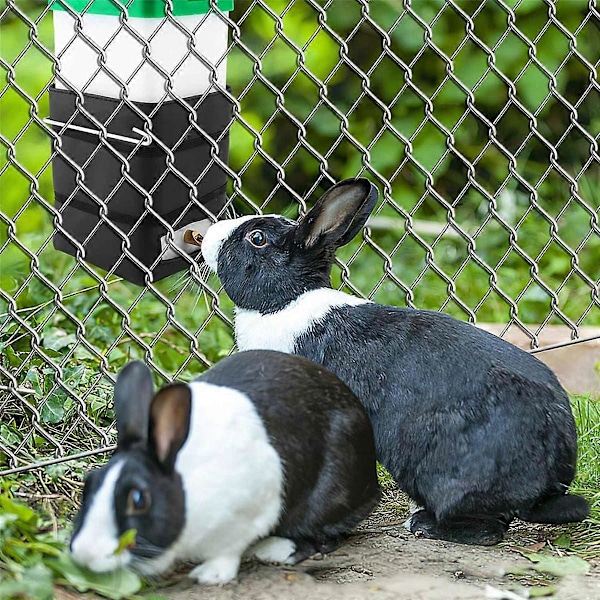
{"points": [[382, 560]]}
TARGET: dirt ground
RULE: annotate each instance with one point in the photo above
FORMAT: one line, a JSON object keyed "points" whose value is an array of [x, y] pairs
{"points": [[383, 561]]}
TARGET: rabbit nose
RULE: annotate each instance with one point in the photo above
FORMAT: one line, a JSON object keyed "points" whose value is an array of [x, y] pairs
{"points": [[98, 557], [82, 553]]}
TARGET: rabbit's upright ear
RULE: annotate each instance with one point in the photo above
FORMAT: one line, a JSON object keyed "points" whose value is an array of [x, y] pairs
{"points": [[133, 393], [170, 423], [339, 214]]}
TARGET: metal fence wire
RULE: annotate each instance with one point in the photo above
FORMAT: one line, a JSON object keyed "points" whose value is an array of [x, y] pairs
{"points": [[478, 120]]}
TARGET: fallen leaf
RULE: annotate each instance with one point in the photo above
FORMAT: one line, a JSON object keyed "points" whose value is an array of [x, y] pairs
{"points": [[558, 565], [535, 547], [552, 565], [563, 541]]}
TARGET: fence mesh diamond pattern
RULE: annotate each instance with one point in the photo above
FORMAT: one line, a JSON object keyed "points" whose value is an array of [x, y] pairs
{"points": [[477, 120]]}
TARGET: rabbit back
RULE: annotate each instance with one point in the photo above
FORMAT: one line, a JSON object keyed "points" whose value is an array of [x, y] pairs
{"points": [[436, 388], [463, 420]]}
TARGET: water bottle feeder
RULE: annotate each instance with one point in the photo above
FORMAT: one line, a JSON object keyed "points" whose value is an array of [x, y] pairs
{"points": [[105, 210], [131, 193]]}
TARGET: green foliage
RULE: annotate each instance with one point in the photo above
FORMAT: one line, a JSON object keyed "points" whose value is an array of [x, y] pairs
{"points": [[32, 561], [56, 392], [587, 418], [127, 540], [114, 585], [466, 99]]}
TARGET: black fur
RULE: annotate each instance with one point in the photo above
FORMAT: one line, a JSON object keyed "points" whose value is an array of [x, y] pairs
{"points": [[278, 257], [133, 392], [323, 436], [471, 427], [474, 529], [465, 422]]}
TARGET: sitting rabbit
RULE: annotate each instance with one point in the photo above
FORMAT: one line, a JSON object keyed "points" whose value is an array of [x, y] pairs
{"points": [[264, 449], [473, 429]]}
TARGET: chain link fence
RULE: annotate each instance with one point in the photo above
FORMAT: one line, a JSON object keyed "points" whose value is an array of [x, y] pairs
{"points": [[478, 121]]}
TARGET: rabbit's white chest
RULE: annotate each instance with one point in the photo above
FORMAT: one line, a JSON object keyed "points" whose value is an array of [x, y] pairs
{"points": [[280, 330]]}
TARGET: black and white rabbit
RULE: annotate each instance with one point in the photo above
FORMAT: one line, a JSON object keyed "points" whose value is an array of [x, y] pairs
{"points": [[262, 444], [473, 429]]}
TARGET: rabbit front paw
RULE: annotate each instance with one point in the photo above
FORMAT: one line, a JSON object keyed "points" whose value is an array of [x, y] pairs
{"points": [[216, 571], [275, 549]]}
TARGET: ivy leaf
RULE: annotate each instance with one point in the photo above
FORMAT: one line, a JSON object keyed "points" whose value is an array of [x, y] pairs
{"points": [[82, 353], [57, 339], [9, 436], [33, 376], [114, 585], [53, 410]]}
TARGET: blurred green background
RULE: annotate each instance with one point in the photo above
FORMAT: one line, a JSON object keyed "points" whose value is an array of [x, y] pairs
{"points": [[461, 115]]}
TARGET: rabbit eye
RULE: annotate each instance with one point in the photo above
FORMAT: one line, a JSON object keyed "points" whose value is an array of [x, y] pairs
{"points": [[138, 501], [257, 238]]}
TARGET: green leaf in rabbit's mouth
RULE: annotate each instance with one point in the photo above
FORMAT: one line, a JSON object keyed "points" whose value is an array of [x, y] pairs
{"points": [[127, 540]]}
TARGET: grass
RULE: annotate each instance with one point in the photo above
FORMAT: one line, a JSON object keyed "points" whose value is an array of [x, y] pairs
{"points": [[586, 537]]}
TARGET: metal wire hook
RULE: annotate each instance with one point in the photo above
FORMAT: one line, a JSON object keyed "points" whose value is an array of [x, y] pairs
{"points": [[145, 139]]}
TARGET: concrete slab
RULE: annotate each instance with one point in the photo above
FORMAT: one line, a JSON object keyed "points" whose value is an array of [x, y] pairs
{"points": [[577, 366]]}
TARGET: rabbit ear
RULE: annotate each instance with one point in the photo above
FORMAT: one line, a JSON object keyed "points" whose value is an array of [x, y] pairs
{"points": [[133, 393], [339, 214], [170, 422]]}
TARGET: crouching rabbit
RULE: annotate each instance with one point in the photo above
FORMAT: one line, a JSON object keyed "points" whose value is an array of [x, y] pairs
{"points": [[473, 429], [265, 453]]}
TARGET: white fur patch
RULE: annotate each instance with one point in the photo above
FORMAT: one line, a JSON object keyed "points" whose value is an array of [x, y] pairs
{"points": [[233, 482], [280, 330], [413, 507], [274, 549], [96, 541], [216, 236], [217, 571]]}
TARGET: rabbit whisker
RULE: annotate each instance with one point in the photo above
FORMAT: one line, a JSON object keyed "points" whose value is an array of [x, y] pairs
{"points": [[179, 283], [144, 549]]}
